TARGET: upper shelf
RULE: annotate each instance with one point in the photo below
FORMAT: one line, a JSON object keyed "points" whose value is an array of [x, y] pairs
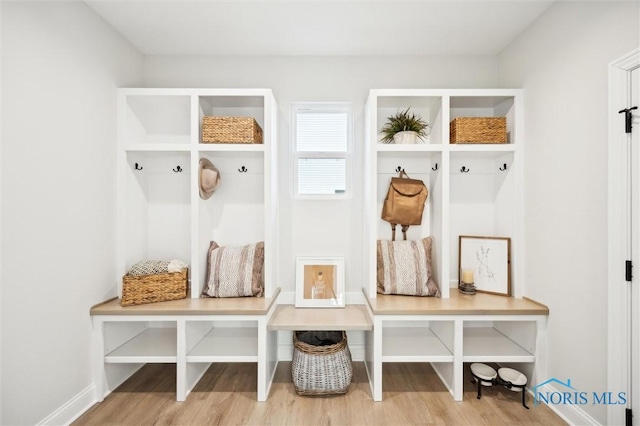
{"points": [[438, 108], [170, 119]]}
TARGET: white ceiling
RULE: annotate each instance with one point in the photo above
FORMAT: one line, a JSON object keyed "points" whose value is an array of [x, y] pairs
{"points": [[307, 27]]}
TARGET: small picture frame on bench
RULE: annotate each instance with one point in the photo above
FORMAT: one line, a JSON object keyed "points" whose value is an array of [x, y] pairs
{"points": [[320, 282], [488, 261]]}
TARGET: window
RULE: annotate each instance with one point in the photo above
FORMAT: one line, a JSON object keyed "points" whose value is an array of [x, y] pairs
{"points": [[322, 136]]}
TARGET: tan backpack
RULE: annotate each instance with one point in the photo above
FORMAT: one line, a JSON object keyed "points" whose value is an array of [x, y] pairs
{"points": [[404, 203]]}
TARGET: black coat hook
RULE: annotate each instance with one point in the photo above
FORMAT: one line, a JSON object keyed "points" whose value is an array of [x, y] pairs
{"points": [[243, 169], [503, 168], [178, 169], [399, 169], [435, 168], [463, 169], [137, 167], [628, 118]]}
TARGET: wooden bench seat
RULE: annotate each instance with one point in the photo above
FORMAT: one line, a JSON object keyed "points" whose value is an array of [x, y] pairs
{"points": [[189, 306], [456, 304], [351, 317]]}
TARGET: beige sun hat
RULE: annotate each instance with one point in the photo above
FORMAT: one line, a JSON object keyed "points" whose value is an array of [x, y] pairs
{"points": [[209, 178]]}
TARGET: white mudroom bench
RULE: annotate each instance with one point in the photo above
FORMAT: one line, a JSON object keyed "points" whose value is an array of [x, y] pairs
{"points": [[450, 332], [191, 333]]}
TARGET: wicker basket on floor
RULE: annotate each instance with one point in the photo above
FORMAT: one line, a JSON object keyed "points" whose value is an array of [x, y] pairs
{"points": [[230, 130], [141, 289], [321, 363], [478, 130]]}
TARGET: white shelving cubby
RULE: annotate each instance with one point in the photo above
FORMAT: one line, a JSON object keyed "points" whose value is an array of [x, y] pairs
{"points": [[161, 216], [473, 188], [160, 212]]}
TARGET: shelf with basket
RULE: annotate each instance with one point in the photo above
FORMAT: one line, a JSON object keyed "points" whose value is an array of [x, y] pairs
{"points": [[484, 118], [155, 208], [231, 119]]}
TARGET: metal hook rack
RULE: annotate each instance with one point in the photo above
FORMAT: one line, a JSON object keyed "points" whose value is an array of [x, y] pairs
{"points": [[178, 169], [243, 169], [399, 169], [464, 169]]}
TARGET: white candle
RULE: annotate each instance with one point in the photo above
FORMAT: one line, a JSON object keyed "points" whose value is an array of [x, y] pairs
{"points": [[467, 276]]}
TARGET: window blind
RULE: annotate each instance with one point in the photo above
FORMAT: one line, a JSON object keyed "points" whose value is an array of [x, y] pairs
{"points": [[317, 176], [322, 131]]}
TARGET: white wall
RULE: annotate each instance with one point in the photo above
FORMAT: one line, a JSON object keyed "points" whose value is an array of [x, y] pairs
{"points": [[561, 62], [61, 66], [319, 227], [1, 239]]}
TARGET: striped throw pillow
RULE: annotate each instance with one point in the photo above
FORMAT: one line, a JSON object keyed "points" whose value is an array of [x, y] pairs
{"points": [[235, 271], [405, 267]]}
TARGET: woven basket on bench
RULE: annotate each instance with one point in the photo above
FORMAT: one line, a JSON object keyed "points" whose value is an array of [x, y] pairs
{"points": [[230, 130], [321, 370], [141, 289], [478, 130]]}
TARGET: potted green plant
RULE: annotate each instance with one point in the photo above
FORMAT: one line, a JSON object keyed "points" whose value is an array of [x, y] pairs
{"points": [[404, 128]]}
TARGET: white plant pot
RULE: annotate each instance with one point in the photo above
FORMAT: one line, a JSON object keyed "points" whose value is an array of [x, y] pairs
{"points": [[407, 137]]}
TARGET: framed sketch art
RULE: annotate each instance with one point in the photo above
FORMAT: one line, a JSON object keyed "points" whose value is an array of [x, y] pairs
{"points": [[487, 262], [320, 282]]}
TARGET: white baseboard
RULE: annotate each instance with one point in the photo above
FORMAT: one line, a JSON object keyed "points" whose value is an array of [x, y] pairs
{"points": [[72, 409], [572, 414]]}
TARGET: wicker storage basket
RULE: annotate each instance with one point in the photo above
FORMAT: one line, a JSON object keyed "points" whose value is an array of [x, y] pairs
{"points": [[140, 289], [478, 130], [321, 369], [230, 130]]}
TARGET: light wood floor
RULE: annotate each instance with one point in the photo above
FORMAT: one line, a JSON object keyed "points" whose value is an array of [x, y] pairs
{"points": [[226, 395]]}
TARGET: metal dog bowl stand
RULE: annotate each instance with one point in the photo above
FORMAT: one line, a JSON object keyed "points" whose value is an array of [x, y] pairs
{"points": [[511, 379]]}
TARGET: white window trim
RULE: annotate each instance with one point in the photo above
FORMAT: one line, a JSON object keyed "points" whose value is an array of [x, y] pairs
{"points": [[296, 155]]}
